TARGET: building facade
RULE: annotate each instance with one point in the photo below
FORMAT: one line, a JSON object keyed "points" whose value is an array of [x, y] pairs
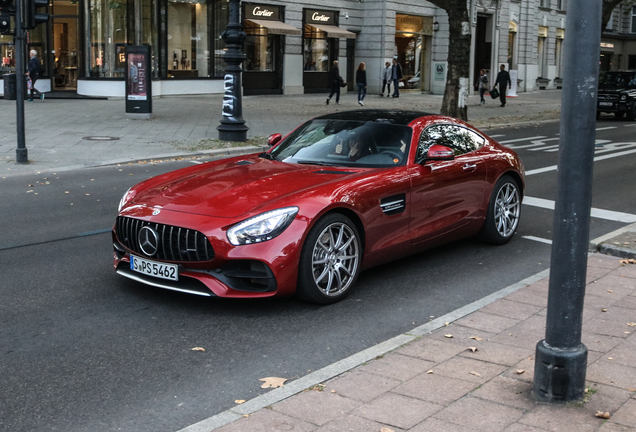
{"points": [[291, 44]]}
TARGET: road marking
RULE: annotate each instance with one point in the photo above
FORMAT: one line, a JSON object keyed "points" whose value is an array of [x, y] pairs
{"points": [[534, 143], [196, 162], [606, 128], [596, 213], [596, 159], [496, 136], [629, 125], [521, 139], [546, 148], [538, 239]]}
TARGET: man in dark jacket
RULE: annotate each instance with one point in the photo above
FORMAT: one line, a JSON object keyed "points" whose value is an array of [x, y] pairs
{"points": [[396, 75], [336, 82], [34, 73], [503, 79]]}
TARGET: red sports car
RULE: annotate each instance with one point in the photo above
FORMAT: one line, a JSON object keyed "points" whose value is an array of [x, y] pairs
{"points": [[341, 193]]}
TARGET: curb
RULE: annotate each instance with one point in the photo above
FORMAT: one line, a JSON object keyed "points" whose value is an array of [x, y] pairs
{"points": [[600, 244]]}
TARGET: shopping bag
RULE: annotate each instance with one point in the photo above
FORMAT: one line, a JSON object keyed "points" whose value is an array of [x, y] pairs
{"points": [[494, 93], [29, 83]]}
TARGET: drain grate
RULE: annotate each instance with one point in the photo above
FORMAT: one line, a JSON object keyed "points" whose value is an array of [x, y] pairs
{"points": [[100, 138]]}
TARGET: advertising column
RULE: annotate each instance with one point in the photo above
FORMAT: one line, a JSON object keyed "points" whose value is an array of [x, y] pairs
{"points": [[138, 82]]}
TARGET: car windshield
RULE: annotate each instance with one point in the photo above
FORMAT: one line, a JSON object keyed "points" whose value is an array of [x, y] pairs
{"points": [[619, 80], [346, 143]]}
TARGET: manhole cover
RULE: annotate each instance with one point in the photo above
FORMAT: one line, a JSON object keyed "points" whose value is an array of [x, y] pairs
{"points": [[100, 138]]}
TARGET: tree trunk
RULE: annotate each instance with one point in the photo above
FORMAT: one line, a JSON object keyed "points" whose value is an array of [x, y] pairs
{"points": [[608, 8], [457, 77]]}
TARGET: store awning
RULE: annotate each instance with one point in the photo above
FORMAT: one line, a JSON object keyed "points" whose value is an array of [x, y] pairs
{"points": [[276, 27], [334, 31]]}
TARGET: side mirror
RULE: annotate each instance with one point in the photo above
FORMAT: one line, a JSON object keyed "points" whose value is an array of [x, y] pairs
{"points": [[440, 152], [274, 139]]}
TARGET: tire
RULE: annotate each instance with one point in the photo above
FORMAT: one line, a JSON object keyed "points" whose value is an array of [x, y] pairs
{"points": [[631, 116], [503, 214], [329, 261]]}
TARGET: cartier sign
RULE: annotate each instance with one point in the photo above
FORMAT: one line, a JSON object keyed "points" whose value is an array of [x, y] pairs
{"points": [[320, 17], [263, 12]]}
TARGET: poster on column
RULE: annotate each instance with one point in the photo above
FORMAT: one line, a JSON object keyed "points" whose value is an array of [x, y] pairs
{"points": [[137, 77], [138, 82], [513, 83]]}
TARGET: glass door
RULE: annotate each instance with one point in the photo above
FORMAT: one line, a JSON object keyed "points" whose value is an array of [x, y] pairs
{"points": [[65, 44]]}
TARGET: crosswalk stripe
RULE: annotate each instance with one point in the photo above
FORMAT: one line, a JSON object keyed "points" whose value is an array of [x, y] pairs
{"points": [[537, 239], [521, 139], [596, 213]]}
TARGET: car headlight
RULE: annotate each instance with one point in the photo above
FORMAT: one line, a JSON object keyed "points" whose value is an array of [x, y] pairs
{"points": [[124, 200], [263, 227]]}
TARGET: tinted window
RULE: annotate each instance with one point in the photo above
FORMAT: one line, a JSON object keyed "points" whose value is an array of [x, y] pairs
{"points": [[346, 143], [618, 80], [460, 139]]}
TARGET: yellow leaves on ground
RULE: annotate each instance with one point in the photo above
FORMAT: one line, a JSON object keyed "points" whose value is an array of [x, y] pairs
{"points": [[603, 415], [272, 382], [198, 349]]}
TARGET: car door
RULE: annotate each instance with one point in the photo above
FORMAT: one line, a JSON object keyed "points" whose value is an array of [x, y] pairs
{"points": [[446, 195]]}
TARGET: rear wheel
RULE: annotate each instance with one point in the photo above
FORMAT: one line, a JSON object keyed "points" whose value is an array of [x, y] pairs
{"points": [[504, 209], [330, 260]]}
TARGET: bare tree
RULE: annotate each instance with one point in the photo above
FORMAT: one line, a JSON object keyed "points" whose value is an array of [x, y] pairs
{"points": [[608, 8], [457, 77]]}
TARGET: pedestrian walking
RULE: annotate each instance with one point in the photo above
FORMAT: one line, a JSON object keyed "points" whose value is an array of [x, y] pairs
{"points": [[396, 76], [503, 79], [483, 86], [336, 82], [361, 80], [387, 78], [33, 72]]}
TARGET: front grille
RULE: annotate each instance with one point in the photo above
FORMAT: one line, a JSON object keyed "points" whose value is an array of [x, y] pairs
{"points": [[608, 97], [175, 243]]}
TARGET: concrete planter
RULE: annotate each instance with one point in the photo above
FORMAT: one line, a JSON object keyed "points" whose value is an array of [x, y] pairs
{"points": [[542, 83], [558, 82]]}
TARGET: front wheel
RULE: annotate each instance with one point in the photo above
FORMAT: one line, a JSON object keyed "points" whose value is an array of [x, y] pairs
{"points": [[329, 261], [504, 209]]}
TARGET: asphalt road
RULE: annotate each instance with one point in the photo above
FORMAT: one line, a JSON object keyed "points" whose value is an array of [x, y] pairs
{"points": [[82, 349]]}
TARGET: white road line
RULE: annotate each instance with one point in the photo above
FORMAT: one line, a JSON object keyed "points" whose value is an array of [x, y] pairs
{"points": [[606, 128], [196, 162], [596, 159], [521, 139], [596, 213], [538, 239], [534, 143], [546, 148], [496, 136], [630, 125]]}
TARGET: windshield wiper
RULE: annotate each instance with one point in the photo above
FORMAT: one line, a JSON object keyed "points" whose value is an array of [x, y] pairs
{"points": [[319, 163], [268, 156]]}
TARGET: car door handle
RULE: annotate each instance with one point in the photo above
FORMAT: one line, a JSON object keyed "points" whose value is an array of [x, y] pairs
{"points": [[469, 167]]}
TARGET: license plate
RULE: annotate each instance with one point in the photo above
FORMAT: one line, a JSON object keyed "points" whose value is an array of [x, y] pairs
{"points": [[153, 268], [605, 103]]}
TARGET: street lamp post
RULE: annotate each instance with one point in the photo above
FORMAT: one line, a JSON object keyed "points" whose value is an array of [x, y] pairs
{"points": [[232, 127], [561, 358]]}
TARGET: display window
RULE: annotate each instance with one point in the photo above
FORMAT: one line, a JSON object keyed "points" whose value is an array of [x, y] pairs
{"points": [[410, 46], [7, 51], [188, 39], [259, 49]]}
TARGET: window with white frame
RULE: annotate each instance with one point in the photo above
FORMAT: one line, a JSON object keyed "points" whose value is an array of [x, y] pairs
{"points": [[544, 3], [633, 19]]}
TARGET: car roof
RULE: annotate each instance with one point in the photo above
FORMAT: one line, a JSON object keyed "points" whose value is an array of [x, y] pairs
{"points": [[377, 115]]}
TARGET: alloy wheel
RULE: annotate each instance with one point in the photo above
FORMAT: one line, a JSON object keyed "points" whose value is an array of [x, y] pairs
{"points": [[335, 259], [507, 207]]}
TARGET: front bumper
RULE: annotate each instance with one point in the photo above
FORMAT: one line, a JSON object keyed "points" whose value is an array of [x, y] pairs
{"points": [[615, 107]]}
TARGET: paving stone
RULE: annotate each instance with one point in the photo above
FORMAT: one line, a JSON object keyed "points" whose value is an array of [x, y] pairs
{"points": [[526, 334], [267, 420], [599, 343], [461, 335], [598, 260], [397, 410], [435, 425], [540, 286], [526, 365], [361, 386], [480, 414], [606, 327], [469, 369], [613, 374], [511, 309], [508, 392], [624, 354], [350, 423], [517, 427], [487, 322], [498, 353], [606, 398], [613, 427], [431, 349], [529, 296], [626, 415], [435, 388], [620, 287], [626, 270], [396, 366], [316, 407], [560, 418], [594, 273]]}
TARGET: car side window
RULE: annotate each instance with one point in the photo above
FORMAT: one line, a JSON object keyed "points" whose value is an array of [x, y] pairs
{"points": [[460, 139]]}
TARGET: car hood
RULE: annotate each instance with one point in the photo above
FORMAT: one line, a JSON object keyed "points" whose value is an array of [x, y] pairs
{"points": [[235, 187]]}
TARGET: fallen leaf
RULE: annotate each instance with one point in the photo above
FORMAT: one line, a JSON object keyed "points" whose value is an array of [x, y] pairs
{"points": [[239, 401], [631, 324], [446, 324], [246, 415], [429, 371], [448, 336], [385, 429], [610, 358], [473, 349], [475, 373], [610, 291], [604, 310], [602, 414], [477, 338], [198, 349], [632, 390], [272, 382], [520, 371]]}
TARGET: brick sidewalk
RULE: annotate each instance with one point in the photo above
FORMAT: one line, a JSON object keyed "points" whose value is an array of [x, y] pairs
{"points": [[474, 374]]}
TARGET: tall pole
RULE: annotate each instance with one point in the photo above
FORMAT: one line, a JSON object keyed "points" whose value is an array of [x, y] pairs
{"points": [[21, 151], [561, 358], [232, 127]]}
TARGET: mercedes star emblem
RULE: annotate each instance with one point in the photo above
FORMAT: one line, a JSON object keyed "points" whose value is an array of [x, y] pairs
{"points": [[148, 240]]}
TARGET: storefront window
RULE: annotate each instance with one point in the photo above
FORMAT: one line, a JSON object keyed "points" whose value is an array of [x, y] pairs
{"points": [[149, 33], [316, 50], [108, 38], [221, 19], [259, 48], [410, 45], [37, 42], [7, 51], [188, 48]]}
